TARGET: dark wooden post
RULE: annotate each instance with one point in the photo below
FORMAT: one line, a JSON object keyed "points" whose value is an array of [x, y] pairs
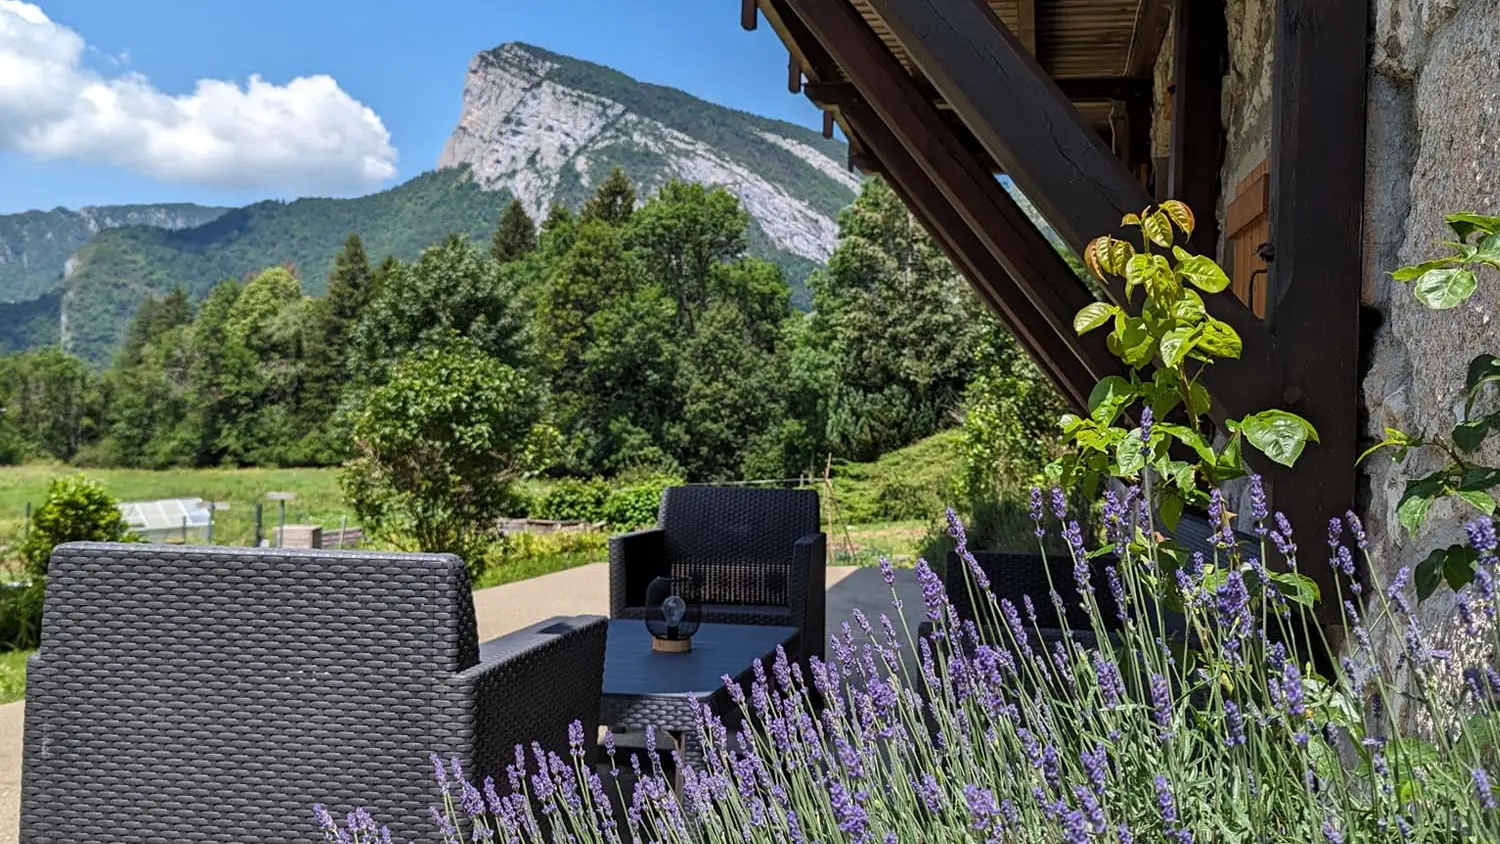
{"points": [[1317, 198], [1201, 46]]}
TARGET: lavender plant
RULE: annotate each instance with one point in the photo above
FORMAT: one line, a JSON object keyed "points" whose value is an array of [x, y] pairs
{"points": [[999, 730]]}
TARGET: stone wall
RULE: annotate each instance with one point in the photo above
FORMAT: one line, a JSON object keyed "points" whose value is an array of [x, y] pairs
{"points": [[1432, 149]]}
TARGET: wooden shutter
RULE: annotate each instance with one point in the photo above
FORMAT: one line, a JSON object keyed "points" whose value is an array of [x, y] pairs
{"points": [[1247, 224]]}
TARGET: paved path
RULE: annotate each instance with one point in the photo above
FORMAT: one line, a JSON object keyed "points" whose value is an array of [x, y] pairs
{"points": [[505, 608]]}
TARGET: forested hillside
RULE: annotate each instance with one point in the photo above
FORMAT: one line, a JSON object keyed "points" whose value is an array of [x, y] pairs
{"points": [[658, 343]]}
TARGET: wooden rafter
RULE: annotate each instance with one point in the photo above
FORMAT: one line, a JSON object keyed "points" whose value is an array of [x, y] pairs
{"points": [[1026, 24], [1020, 116], [1151, 20], [1000, 225]]}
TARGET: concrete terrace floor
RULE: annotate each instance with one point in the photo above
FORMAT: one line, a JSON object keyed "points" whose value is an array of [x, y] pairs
{"points": [[505, 608]]}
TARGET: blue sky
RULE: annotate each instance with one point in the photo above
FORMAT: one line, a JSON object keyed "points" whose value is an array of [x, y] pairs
{"points": [[166, 138]]}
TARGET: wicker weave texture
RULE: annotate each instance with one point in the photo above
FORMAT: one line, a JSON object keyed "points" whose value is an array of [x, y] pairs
{"points": [[215, 694], [755, 556]]}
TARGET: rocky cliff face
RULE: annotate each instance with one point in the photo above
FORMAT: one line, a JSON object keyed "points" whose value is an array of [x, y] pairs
{"points": [[547, 128]]}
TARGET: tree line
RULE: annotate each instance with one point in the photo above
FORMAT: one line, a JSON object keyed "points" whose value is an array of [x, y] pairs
{"points": [[639, 335]]}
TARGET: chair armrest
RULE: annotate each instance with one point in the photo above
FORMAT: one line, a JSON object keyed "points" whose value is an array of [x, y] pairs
{"points": [[532, 684], [809, 596], [635, 559]]}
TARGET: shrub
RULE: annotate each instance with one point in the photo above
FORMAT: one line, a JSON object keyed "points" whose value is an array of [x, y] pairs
{"points": [[439, 448], [76, 509], [636, 504], [574, 499], [21, 614], [998, 735], [898, 500]]}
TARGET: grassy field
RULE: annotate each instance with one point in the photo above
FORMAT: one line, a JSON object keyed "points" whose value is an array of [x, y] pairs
{"points": [[318, 500]]}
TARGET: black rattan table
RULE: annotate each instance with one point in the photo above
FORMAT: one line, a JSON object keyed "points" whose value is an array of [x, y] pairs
{"points": [[644, 688]]}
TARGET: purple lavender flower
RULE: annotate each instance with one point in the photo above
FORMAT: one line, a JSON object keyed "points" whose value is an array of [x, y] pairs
{"points": [[1075, 828], [575, 739], [1147, 418], [1117, 591], [1096, 767], [1482, 789], [1396, 592], [1258, 509], [926, 789], [1335, 532], [1344, 560], [1482, 536], [1111, 684], [1234, 724], [1357, 529], [1088, 802], [445, 827], [1036, 511], [1232, 603], [1161, 705], [932, 590], [1059, 503], [849, 812], [1166, 804], [984, 809], [887, 572], [1331, 832], [439, 772], [1074, 535], [1216, 515], [1051, 767]]}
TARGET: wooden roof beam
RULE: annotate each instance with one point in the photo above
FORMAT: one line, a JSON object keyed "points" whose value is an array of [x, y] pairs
{"points": [[1151, 20], [1020, 116], [1103, 89], [991, 215]]}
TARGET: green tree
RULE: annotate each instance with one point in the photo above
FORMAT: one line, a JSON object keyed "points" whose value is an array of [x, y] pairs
{"points": [[684, 232], [439, 446], [900, 324], [1010, 420], [454, 288], [77, 509], [45, 394], [515, 237], [613, 201], [556, 236]]}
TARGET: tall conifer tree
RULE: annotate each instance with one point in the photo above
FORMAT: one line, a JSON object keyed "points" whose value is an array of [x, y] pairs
{"points": [[515, 238]]}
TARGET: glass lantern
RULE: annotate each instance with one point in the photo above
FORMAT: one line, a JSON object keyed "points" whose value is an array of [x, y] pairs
{"points": [[673, 614]]}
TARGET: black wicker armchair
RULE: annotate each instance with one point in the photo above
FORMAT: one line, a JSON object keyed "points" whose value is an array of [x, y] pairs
{"points": [[754, 556], [216, 694]]}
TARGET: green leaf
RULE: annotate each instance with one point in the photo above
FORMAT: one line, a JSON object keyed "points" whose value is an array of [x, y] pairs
{"points": [[1443, 289], [1483, 369], [1415, 271], [1170, 509], [1109, 397], [1220, 340], [1417, 498], [1132, 343], [1190, 438], [1158, 227], [1454, 564], [1201, 271], [1231, 459], [1189, 309], [1198, 398], [1479, 477], [1297, 588], [1152, 272], [1128, 457], [1481, 501], [1278, 434], [1428, 575], [1178, 212], [1465, 224], [1176, 344], [1092, 316], [1489, 250], [1470, 435]]}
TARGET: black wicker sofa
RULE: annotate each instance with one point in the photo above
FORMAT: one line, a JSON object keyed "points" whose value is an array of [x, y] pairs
{"points": [[203, 693]]}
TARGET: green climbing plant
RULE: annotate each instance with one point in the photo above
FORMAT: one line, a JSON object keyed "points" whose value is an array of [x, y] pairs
{"points": [[1441, 284], [1157, 416]]}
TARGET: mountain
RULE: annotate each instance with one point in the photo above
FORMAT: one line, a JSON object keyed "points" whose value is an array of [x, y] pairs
{"points": [[35, 245], [535, 125]]}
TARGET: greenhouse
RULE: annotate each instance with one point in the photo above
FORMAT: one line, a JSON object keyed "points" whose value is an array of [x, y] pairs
{"points": [[179, 519]]}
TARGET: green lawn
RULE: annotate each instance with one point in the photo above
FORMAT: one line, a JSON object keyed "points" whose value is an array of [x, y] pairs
{"points": [[13, 675], [318, 501]]}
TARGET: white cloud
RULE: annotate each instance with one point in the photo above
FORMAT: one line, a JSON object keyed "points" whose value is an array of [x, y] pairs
{"points": [[302, 137]]}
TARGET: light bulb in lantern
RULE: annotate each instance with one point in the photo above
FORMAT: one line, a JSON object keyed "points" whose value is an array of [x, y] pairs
{"points": [[672, 609]]}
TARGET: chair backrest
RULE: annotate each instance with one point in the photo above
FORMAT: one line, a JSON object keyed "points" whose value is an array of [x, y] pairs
{"points": [[183, 692], [736, 543], [1017, 576]]}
